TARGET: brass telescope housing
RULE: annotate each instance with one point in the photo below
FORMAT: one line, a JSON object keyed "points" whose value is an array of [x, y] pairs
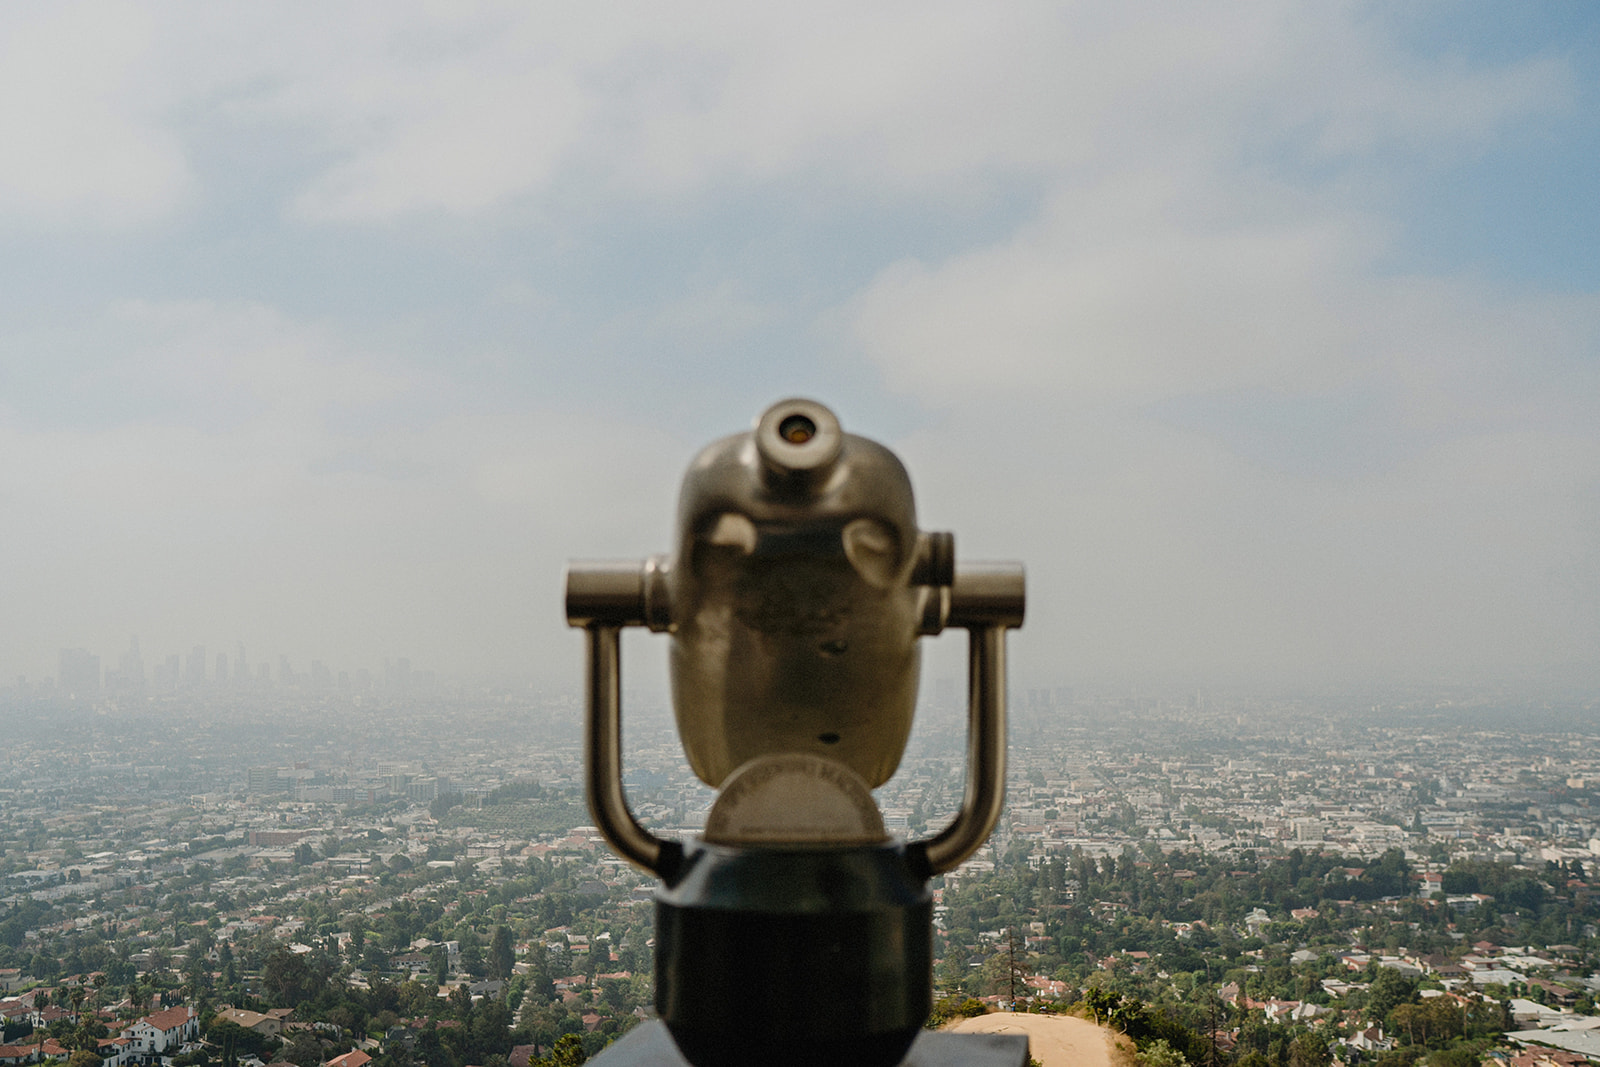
{"points": [[795, 597]]}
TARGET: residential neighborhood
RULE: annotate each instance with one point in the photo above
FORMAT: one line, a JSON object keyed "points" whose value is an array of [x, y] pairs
{"points": [[315, 877]]}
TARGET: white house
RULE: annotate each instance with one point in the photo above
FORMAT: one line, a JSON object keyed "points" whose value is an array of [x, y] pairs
{"points": [[1371, 1040], [154, 1036]]}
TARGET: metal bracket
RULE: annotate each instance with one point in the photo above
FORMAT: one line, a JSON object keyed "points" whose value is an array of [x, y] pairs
{"points": [[985, 599]]}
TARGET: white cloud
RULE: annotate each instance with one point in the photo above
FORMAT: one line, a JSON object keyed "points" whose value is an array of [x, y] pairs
{"points": [[84, 138], [404, 108], [1113, 296], [1435, 517], [1403, 531], [908, 98], [1154, 551]]}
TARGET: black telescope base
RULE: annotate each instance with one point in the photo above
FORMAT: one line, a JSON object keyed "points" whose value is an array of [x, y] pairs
{"points": [[651, 1046], [791, 957], [751, 1045]]}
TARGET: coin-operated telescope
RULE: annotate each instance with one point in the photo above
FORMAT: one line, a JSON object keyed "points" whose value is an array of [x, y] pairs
{"points": [[796, 930]]}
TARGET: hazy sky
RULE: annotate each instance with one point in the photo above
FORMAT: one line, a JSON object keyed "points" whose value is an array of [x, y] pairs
{"points": [[1267, 334]]}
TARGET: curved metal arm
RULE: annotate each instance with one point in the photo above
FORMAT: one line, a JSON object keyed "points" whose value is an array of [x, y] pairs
{"points": [[603, 597], [986, 754], [602, 758], [986, 599]]}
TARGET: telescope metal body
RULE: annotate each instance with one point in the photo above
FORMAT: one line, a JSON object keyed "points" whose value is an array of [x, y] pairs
{"points": [[795, 597], [794, 614]]}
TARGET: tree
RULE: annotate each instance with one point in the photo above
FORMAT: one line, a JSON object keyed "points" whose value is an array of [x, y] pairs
{"points": [[472, 955], [1101, 1002], [955, 1008], [491, 1027], [232, 1038], [439, 963], [1390, 876], [540, 984], [87, 1035], [303, 1049], [1523, 892], [568, 1052], [1389, 989], [502, 955], [373, 959], [1453, 1057], [1159, 1053], [414, 999], [287, 977], [1309, 1050], [1129, 1017]]}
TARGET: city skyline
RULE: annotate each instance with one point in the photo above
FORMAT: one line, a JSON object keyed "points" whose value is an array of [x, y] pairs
{"points": [[80, 674]]}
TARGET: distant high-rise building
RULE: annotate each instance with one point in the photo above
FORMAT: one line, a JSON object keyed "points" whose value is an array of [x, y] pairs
{"points": [[264, 673], [241, 667], [222, 668], [321, 677], [131, 673], [167, 674], [196, 675], [286, 674], [267, 780], [397, 673], [426, 789], [79, 673]]}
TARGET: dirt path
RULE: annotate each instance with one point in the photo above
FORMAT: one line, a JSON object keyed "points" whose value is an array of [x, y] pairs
{"points": [[1054, 1040]]}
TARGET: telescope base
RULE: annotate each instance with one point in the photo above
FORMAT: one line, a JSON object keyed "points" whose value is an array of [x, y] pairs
{"points": [[650, 1045], [794, 957]]}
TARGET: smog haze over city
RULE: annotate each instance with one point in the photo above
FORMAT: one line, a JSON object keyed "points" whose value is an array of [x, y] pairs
{"points": [[1268, 336]]}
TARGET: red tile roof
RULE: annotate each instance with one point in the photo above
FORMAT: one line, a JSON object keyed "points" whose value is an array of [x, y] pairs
{"points": [[353, 1058], [170, 1019]]}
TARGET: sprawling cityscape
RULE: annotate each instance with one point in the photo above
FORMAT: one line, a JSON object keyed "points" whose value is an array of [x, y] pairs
{"points": [[1214, 389], [220, 861]]}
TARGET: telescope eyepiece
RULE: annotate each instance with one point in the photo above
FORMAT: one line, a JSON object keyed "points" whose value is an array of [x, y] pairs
{"points": [[797, 429], [799, 442]]}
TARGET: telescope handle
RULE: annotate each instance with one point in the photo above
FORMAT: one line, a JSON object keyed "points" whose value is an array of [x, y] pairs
{"points": [[602, 759]]}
